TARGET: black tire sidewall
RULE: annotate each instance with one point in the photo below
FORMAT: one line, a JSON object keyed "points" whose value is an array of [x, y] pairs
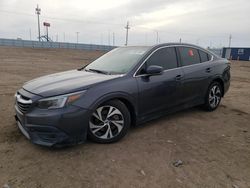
{"points": [[127, 120]]}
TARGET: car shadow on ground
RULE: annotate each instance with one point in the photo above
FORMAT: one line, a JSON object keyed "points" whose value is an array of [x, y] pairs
{"points": [[133, 130]]}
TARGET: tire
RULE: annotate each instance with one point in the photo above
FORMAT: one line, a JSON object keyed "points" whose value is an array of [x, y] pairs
{"points": [[213, 97], [109, 122]]}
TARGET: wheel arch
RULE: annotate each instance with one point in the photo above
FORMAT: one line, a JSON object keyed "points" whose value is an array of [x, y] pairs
{"points": [[126, 99], [220, 81]]}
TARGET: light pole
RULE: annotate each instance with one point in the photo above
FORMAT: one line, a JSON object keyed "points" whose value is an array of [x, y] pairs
{"points": [[113, 39], [77, 33], [157, 36], [30, 34], [38, 12], [230, 40], [127, 28]]}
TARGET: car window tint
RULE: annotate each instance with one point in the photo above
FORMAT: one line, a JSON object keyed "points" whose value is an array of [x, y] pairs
{"points": [[189, 56], [203, 55], [165, 57]]}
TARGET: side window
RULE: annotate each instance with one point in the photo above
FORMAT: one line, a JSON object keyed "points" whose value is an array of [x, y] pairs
{"points": [[209, 57], [189, 56], [240, 51], [165, 57], [204, 56]]}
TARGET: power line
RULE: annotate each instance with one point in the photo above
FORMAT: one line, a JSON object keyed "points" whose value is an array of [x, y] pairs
{"points": [[118, 24], [63, 19], [16, 13]]}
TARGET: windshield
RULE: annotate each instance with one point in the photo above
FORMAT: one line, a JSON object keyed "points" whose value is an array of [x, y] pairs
{"points": [[117, 61]]}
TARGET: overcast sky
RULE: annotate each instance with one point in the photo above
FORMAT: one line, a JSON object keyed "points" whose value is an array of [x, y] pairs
{"points": [[202, 22]]}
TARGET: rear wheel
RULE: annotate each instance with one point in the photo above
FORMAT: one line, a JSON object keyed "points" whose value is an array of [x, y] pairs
{"points": [[109, 122], [213, 96]]}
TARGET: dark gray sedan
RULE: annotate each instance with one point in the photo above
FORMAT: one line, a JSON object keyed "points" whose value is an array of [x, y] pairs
{"points": [[126, 86]]}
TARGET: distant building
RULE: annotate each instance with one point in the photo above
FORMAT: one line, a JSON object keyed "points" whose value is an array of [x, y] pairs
{"points": [[242, 54]]}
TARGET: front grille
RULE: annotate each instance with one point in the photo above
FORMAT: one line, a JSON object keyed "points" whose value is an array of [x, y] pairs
{"points": [[23, 103]]}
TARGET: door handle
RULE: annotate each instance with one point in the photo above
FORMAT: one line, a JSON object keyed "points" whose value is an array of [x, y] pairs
{"points": [[208, 69], [178, 77]]}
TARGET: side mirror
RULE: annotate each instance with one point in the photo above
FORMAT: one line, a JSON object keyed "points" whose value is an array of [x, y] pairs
{"points": [[154, 70]]}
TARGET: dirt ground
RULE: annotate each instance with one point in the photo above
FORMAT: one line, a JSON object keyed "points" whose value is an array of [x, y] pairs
{"points": [[214, 147]]}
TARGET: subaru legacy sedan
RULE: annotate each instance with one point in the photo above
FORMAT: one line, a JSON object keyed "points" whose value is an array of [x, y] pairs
{"points": [[126, 86]]}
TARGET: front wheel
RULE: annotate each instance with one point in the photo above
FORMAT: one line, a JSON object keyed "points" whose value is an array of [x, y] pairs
{"points": [[109, 122], [213, 96]]}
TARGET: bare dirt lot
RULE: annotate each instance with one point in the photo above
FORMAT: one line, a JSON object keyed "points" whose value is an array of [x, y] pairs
{"points": [[214, 147]]}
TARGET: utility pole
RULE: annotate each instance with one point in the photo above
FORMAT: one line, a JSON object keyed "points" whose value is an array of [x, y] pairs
{"points": [[101, 39], [109, 38], [77, 33], [157, 37], [146, 38], [230, 40], [47, 30], [127, 28], [30, 33], [180, 40], [113, 39], [38, 12]]}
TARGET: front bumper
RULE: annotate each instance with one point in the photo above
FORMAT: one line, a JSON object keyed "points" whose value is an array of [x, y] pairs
{"points": [[57, 127]]}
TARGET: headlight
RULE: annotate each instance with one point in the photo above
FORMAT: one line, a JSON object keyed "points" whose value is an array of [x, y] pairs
{"points": [[59, 101]]}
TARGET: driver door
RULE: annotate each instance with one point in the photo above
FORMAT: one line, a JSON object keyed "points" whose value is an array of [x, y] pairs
{"points": [[159, 92]]}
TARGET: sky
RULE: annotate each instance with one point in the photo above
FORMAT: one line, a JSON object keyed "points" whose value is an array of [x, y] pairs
{"points": [[202, 22]]}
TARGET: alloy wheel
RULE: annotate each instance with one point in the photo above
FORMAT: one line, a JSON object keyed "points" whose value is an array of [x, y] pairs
{"points": [[214, 96], [106, 122]]}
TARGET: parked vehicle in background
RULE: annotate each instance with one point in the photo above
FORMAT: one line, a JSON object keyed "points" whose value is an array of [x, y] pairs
{"points": [[127, 86]]}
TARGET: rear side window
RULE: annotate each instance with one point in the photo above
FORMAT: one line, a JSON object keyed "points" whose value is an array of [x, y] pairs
{"points": [[189, 56], [165, 57], [204, 56]]}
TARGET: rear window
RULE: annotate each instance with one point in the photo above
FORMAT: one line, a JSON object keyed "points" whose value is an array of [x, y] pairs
{"points": [[189, 56], [204, 56]]}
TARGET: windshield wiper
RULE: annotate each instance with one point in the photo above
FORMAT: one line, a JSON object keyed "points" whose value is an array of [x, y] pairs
{"points": [[98, 71]]}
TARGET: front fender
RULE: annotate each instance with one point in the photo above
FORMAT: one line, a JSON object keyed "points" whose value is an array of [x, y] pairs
{"points": [[115, 95]]}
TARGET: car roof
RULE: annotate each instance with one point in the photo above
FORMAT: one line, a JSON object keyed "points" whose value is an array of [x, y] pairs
{"points": [[153, 47], [163, 44]]}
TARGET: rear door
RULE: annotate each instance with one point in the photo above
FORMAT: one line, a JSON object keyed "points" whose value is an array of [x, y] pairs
{"points": [[197, 70], [159, 92]]}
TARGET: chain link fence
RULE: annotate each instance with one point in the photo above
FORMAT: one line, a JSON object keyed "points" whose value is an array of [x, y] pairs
{"points": [[37, 44]]}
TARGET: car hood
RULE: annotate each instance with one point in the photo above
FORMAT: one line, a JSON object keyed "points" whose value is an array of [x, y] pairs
{"points": [[65, 82]]}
